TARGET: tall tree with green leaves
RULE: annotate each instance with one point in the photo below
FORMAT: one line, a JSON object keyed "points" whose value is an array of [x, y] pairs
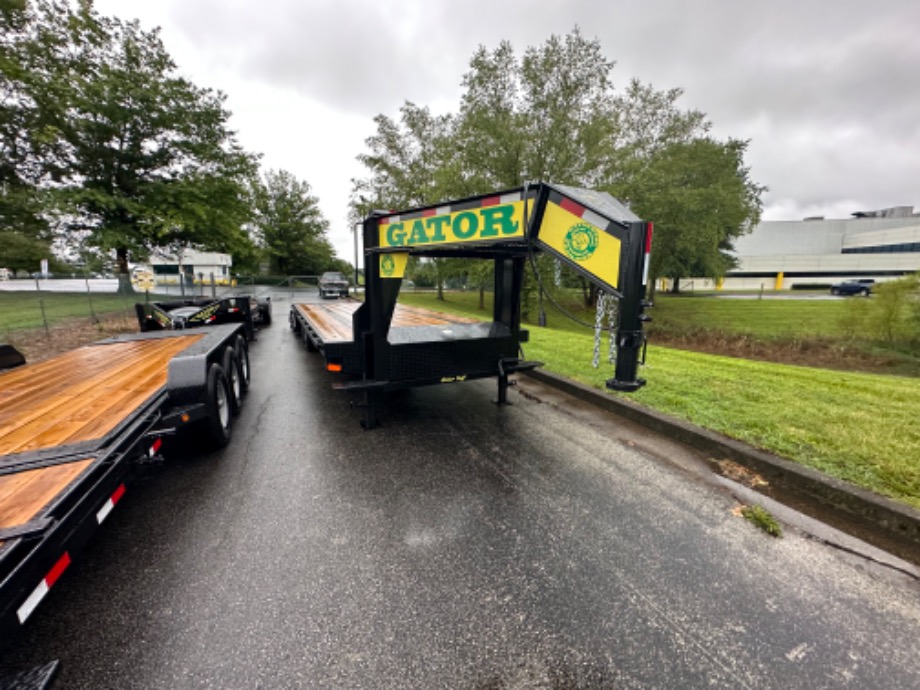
{"points": [[132, 156], [290, 227], [24, 235], [701, 197], [553, 114]]}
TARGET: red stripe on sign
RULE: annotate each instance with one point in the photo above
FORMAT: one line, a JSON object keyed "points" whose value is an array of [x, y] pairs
{"points": [[572, 207], [57, 570], [119, 492], [648, 238], [429, 212], [384, 221], [491, 201]]}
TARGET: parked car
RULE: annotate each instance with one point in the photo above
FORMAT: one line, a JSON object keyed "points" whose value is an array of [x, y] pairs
{"points": [[333, 284], [862, 286]]}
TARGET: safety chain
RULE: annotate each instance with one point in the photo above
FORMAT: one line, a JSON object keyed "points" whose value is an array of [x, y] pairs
{"points": [[607, 306], [613, 322], [599, 313]]}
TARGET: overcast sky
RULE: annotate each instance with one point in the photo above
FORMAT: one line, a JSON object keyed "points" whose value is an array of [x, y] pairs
{"points": [[827, 92]]}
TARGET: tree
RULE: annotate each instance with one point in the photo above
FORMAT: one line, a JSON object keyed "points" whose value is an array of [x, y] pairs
{"points": [[701, 198], [290, 227], [128, 155], [554, 115]]}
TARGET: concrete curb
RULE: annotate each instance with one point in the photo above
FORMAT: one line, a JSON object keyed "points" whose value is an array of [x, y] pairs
{"points": [[870, 514]]}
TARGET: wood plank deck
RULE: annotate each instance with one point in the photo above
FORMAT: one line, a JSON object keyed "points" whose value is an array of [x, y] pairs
{"points": [[83, 394], [333, 320], [24, 495]]}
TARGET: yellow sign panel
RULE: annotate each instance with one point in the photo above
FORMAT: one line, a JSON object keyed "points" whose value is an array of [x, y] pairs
{"points": [[393, 265], [497, 221], [582, 243]]}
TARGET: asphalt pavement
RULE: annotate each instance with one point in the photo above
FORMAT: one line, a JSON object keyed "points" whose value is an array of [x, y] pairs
{"points": [[460, 545]]}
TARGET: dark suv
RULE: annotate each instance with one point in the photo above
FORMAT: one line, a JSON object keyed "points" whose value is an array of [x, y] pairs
{"points": [[862, 286]]}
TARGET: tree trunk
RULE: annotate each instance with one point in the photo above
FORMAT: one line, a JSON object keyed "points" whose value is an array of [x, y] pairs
{"points": [[482, 295], [675, 286], [124, 277]]}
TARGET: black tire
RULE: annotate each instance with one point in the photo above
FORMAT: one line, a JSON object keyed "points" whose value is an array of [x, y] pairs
{"points": [[295, 324], [220, 420], [266, 316], [865, 292], [835, 291], [308, 342], [231, 366], [242, 355]]}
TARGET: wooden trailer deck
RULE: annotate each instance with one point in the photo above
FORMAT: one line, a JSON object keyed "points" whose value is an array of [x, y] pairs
{"points": [[78, 397], [333, 320]]}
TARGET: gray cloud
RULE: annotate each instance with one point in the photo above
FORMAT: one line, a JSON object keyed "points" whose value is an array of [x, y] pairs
{"points": [[825, 91]]}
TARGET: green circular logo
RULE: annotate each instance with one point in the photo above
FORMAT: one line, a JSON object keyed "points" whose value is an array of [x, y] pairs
{"points": [[580, 242], [387, 265]]}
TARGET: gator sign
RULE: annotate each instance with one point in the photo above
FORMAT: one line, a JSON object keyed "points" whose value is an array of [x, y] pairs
{"points": [[586, 239], [487, 219]]}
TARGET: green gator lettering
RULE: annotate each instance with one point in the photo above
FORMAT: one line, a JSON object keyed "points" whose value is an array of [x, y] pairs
{"points": [[498, 219], [418, 235], [437, 224], [396, 235], [465, 225]]}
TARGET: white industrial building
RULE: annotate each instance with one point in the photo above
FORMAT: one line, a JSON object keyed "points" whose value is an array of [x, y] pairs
{"points": [[882, 245]]}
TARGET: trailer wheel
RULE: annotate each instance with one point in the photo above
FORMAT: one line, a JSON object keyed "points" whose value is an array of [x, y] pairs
{"points": [[308, 342], [231, 367], [295, 324], [217, 404], [242, 353]]}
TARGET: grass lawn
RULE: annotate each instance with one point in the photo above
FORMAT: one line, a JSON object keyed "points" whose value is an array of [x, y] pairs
{"points": [[858, 427], [21, 310], [766, 319]]}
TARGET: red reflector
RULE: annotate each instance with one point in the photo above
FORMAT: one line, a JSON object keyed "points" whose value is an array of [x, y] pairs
{"points": [[648, 238], [57, 570], [156, 446], [119, 492], [334, 367]]}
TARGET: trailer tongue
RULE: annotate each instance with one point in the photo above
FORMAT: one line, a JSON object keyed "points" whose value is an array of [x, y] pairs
{"points": [[590, 232]]}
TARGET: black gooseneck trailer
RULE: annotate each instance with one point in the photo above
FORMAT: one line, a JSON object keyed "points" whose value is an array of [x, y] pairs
{"points": [[590, 232]]}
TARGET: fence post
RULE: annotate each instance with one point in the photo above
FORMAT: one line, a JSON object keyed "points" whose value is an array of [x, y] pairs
{"points": [[89, 297], [41, 304], [213, 286]]}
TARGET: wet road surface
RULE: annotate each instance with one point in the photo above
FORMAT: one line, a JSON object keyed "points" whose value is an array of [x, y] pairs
{"points": [[462, 545]]}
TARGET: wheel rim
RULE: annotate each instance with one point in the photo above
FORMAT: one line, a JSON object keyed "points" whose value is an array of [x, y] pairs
{"points": [[223, 408], [244, 363], [235, 380]]}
